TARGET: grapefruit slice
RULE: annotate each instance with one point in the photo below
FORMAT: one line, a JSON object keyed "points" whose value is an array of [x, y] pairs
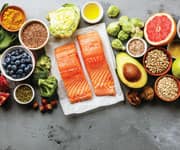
{"points": [[160, 29]]}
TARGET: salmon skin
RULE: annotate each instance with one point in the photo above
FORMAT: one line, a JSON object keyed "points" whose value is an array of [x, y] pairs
{"points": [[75, 83], [96, 64]]}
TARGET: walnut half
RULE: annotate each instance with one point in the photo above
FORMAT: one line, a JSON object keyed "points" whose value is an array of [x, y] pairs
{"points": [[133, 98]]}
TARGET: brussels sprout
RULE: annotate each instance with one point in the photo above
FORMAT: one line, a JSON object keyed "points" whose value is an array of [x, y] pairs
{"points": [[137, 22], [138, 33], [113, 29], [113, 11], [128, 27], [117, 44], [123, 35], [123, 20]]}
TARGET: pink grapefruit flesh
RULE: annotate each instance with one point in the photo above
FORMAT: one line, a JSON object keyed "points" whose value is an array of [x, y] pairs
{"points": [[160, 29]]}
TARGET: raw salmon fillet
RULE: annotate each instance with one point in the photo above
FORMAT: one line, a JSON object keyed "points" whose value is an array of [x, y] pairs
{"points": [[75, 83], [96, 64]]}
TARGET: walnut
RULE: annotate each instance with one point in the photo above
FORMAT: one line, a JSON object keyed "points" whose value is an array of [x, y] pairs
{"points": [[147, 93], [134, 98]]}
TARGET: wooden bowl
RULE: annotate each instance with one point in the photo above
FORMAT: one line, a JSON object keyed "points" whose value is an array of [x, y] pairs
{"points": [[169, 58], [1, 17], [156, 90]]}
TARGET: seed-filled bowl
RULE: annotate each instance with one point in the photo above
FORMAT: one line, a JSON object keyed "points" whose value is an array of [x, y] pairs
{"points": [[34, 34], [167, 88], [136, 47], [17, 63], [157, 61], [23, 93]]}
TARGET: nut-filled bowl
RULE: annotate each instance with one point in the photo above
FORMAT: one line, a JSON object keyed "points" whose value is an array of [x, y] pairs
{"points": [[17, 63], [157, 61], [167, 88], [34, 34]]}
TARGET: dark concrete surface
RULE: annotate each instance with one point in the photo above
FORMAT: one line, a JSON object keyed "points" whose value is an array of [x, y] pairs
{"points": [[153, 126]]}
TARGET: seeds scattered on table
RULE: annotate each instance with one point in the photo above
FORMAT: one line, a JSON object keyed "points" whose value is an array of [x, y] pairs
{"points": [[167, 88], [156, 61], [34, 35]]}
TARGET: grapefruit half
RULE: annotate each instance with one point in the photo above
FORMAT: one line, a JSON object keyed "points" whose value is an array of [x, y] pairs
{"points": [[160, 29]]}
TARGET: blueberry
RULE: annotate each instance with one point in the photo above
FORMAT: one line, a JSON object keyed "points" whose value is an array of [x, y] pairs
{"points": [[22, 66], [9, 67], [14, 67], [4, 64], [13, 53], [13, 58], [17, 62], [21, 50], [19, 71], [7, 72], [23, 75], [30, 66], [28, 60], [18, 57], [12, 63], [24, 55], [9, 55], [11, 72], [7, 60], [26, 69], [18, 76], [14, 76], [23, 61]]}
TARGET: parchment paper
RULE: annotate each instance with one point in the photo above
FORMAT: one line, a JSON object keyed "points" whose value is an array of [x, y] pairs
{"points": [[96, 101]]}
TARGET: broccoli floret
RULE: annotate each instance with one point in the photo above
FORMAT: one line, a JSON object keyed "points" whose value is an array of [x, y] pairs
{"points": [[39, 73], [44, 62], [113, 11], [113, 29], [137, 22], [123, 35], [117, 45], [47, 86]]}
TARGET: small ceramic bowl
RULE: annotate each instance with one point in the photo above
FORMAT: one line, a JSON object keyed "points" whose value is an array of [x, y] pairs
{"points": [[156, 88], [17, 100], [1, 17], [28, 22], [178, 29], [92, 21], [2, 60], [140, 54], [169, 58]]}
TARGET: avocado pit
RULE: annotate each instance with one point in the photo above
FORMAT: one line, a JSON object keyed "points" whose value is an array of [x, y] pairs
{"points": [[131, 72]]}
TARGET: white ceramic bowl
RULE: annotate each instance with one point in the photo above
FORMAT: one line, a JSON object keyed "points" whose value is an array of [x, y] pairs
{"points": [[178, 29], [95, 20], [145, 47], [10, 49], [17, 100], [27, 23]]}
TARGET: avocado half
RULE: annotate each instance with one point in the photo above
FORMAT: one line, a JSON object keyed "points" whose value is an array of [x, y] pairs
{"points": [[121, 60]]}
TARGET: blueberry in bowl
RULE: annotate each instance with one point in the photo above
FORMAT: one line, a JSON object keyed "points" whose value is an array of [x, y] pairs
{"points": [[17, 63]]}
